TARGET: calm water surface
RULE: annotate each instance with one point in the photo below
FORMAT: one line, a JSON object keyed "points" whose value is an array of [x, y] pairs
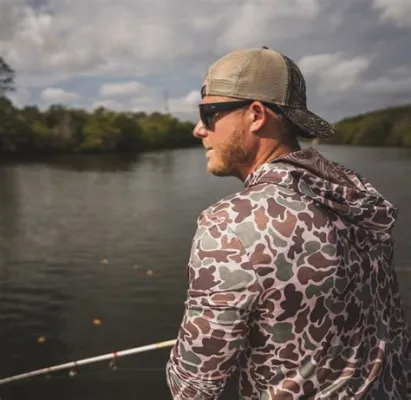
{"points": [[107, 239]]}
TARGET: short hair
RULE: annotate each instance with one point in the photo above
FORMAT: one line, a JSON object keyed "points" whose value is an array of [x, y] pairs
{"points": [[291, 132]]}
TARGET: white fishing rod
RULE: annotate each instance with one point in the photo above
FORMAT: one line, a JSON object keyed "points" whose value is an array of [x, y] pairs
{"points": [[90, 360]]}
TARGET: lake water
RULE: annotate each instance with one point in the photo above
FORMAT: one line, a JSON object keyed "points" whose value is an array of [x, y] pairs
{"points": [[93, 252]]}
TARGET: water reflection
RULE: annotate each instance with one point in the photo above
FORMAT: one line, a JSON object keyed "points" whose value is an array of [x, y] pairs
{"points": [[92, 162], [24, 285], [9, 216], [161, 161]]}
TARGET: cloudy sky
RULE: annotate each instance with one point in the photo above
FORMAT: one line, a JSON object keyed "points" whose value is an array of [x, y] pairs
{"points": [[135, 54]]}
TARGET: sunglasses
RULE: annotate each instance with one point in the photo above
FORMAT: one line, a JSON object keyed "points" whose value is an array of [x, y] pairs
{"points": [[209, 111]]}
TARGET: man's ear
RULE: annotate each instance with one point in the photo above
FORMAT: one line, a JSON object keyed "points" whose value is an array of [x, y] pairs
{"points": [[258, 116]]}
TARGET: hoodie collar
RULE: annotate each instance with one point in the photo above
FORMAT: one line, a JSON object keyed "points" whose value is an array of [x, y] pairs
{"points": [[332, 186]]}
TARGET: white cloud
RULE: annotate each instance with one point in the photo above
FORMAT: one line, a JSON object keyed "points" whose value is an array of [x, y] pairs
{"points": [[180, 105], [186, 107], [146, 103], [121, 89], [123, 35], [398, 11], [334, 72], [127, 37], [58, 95], [187, 103], [193, 97], [151, 101], [251, 23]]}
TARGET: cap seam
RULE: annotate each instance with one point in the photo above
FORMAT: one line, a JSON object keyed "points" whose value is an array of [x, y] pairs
{"points": [[250, 56], [287, 71]]}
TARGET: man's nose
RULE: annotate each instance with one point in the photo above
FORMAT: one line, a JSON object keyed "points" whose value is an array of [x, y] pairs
{"points": [[199, 130]]}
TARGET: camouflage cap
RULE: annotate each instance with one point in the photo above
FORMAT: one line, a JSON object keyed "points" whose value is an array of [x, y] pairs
{"points": [[266, 75]]}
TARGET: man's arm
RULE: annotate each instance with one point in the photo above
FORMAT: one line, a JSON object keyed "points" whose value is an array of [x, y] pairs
{"points": [[222, 293]]}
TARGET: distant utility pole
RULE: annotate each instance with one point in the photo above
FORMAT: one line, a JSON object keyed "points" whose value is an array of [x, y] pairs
{"points": [[166, 106]]}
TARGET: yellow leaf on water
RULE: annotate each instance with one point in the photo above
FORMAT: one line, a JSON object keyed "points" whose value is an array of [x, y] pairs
{"points": [[97, 321], [41, 339]]}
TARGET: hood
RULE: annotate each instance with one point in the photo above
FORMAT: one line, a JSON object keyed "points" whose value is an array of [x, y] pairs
{"points": [[363, 211]]}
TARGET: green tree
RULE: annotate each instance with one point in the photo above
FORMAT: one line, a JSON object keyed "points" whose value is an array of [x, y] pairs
{"points": [[100, 133], [7, 76], [181, 134], [53, 116], [156, 130], [131, 133], [32, 114], [406, 139], [386, 127], [15, 132], [79, 118]]}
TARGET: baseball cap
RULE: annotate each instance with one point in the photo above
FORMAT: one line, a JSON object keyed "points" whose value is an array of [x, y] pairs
{"points": [[266, 75]]}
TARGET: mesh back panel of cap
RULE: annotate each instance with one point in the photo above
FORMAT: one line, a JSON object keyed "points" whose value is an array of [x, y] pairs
{"points": [[257, 74], [296, 95]]}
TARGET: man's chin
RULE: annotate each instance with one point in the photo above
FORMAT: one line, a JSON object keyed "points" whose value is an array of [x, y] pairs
{"points": [[218, 170]]}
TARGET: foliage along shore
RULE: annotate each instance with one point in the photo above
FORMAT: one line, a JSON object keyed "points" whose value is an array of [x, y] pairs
{"points": [[390, 127], [29, 132]]}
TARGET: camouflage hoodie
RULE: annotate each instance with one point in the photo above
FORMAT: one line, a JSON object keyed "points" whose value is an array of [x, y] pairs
{"points": [[291, 283]]}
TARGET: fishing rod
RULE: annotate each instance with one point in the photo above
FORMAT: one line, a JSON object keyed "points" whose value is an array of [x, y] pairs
{"points": [[73, 364]]}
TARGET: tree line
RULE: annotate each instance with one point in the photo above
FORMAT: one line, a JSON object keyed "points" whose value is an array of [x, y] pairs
{"points": [[390, 126], [58, 129], [28, 131]]}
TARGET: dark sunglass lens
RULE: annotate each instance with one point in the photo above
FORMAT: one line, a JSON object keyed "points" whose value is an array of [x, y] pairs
{"points": [[206, 117], [209, 117], [203, 118]]}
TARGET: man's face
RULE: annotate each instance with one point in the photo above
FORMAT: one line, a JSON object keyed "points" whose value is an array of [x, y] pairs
{"points": [[227, 141]]}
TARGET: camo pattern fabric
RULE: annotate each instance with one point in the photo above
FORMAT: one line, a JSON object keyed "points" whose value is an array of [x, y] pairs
{"points": [[291, 285]]}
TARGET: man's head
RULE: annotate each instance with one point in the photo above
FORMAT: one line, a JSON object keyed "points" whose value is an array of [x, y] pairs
{"points": [[254, 107]]}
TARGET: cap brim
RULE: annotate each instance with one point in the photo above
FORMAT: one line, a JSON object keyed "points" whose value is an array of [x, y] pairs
{"points": [[311, 125]]}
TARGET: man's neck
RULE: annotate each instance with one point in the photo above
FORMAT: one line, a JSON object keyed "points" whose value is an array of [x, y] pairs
{"points": [[268, 156]]}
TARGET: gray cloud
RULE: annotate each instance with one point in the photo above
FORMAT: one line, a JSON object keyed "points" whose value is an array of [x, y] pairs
{"points": [[355, 53], [58, 95], [398, 11], [355, 31]]}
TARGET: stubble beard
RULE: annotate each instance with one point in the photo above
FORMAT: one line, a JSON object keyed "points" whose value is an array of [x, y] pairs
{"points": [[231, 157]]}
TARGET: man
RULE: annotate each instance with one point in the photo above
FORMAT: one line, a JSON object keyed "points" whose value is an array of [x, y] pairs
{"points": [[291, 280]]}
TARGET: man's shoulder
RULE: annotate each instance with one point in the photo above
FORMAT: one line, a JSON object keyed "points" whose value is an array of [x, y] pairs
{"points": [[249, 203], [247, 196], [268, 210]]}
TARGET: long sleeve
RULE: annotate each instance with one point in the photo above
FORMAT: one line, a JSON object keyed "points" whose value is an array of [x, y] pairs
{"points": [[222, 293]]}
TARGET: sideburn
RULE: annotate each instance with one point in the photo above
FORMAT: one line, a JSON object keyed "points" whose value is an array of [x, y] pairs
{"points": [[237, 153]]}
